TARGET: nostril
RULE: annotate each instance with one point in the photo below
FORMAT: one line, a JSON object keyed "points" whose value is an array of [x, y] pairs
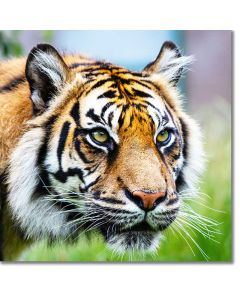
{"points": [[159, 200], [136, 199]]}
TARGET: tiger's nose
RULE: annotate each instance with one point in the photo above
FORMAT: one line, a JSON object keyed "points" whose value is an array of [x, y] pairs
{"points": [[148, 201]]}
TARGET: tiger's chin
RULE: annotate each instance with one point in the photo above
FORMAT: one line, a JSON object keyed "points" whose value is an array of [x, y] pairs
{"points": [[144, 241]]}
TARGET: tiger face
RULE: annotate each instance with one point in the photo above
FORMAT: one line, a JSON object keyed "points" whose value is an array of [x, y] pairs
{"points": [[107, 149]]}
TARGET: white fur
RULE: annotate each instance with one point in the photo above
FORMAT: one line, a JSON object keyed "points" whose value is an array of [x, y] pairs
{"points": [[196, 159], [118, 243], [37, 99], [169, 64], [36, 216], [51, 66]]}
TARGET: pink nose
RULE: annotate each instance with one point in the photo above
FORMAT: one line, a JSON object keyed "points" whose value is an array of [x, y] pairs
{"points": [[149, 200]]}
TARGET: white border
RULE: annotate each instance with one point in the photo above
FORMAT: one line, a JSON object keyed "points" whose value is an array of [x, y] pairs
{"points": [[122, 14], [137, 281]]}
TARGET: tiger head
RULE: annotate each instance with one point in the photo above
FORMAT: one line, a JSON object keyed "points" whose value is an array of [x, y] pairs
{"points": [[106, 149]]}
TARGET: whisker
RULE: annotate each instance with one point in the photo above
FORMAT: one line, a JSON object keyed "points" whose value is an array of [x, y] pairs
{"points": [[192, 239], [179, 232]]}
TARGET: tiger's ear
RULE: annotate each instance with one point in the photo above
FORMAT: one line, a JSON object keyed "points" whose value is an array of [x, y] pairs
{"points": [[169, 62], [46, 73]]}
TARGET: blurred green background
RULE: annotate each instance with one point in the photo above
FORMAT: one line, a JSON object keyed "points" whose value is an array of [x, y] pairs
{"points": [[208, 90]]}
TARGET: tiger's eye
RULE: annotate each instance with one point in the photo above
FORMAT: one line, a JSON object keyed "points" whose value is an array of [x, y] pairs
{"points": [[163, 136], [100, 136]]}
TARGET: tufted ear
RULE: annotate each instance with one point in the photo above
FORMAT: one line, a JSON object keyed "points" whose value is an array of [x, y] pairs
{"points": [[169, 62], [46, 73]]}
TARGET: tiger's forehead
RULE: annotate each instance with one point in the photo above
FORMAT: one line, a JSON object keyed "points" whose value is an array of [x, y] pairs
{"points": [[122, 102]]}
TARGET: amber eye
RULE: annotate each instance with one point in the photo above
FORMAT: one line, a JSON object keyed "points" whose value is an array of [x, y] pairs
{"points": [[100, 136], [163, 136]]}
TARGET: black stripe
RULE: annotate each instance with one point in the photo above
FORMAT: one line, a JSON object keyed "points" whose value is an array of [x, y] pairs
{"points": [[150, 104], [74, 65], [180, 182], [126, 92], [170, 115], [126, 81], [159, 120], [130, 73], [109, 94], [152, 124], [139, 106], [172, 201], [100, 83], [62, 141], [140, 82], [75, 114], [185, 138], [102, 67], [142, 94], [130, 81], [93, 116], [77, 145], [12, 84], [40, 188], [78, 64], [62, 176], [121, 121], [109, 200], [131, 120], [44, 147], [110, 118], [113, 153], [105, 108]]}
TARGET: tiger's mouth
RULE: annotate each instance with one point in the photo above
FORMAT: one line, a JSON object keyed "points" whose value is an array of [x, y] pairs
{"points": [[141, 227], [141, 237], [145, 227]]}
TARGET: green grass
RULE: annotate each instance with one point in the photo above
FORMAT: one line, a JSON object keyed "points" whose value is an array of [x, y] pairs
{"points": [[216, 183]]}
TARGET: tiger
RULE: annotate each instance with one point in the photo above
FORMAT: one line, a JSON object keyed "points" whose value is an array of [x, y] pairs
{"points": [[89, 145]]}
